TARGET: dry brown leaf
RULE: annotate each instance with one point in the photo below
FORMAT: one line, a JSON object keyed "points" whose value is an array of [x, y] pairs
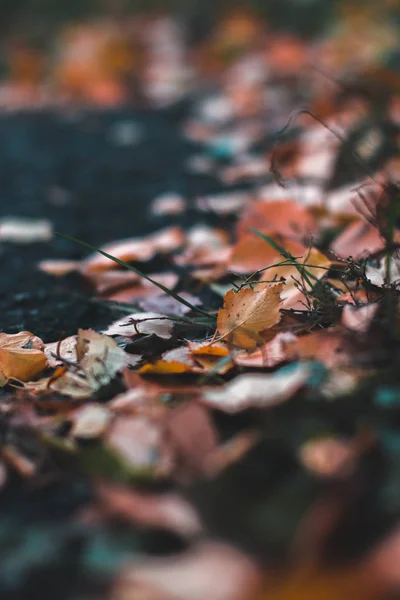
{"points": [[247, 313], [99, 360], [284, 217], [22, 356], [269, 355], [328, 346], [136, 249], [56, 352], [252, 253], [106, 282], [357, 240], [143, 288], [257, 390]]}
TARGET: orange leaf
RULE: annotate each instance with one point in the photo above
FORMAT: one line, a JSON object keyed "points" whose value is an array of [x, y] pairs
{"points": [[247, 313], [21, 356]]}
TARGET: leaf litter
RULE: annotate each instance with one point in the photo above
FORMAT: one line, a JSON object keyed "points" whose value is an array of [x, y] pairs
{"points": [[233, 435]]}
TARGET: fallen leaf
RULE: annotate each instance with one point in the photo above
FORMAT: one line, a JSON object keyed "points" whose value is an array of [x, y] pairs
{"points": [[257, 390], [90, 421], [209, 357], [167, 510], [168, 204], [142, 323], [223, 204], [269, 355], [329, 346], [193, 575], [247, 313], [193, 436], [65, 349], [169, 305], [172, 362], [284, 217], [357, 240], [99, 359], [59, 267], [252, 253], [22, 357], [378, 275], [143, 288], [25, 231], [136, 249], [329, 456], [359, 318], [139, 442]]}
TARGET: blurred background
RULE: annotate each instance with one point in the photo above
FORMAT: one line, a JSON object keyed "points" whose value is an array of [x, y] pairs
{"points": [[108, 51]]}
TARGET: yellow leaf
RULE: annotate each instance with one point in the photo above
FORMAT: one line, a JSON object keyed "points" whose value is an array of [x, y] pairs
{"points": [[163, 367], [208, 356], [247, 313]]}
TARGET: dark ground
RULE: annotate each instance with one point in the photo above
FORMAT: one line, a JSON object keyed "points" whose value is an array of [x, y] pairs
{"points": [[105, 194]]}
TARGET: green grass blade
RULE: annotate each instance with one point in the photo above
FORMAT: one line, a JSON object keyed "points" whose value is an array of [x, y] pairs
{"points": [[305, 274], [128, 266]]}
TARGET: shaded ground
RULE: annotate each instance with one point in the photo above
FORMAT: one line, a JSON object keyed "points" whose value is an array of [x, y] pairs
{"points": [[70, 170]]}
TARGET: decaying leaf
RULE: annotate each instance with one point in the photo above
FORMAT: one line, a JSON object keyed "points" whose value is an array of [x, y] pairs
{"points": [[247, 313], [99, 359]]}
